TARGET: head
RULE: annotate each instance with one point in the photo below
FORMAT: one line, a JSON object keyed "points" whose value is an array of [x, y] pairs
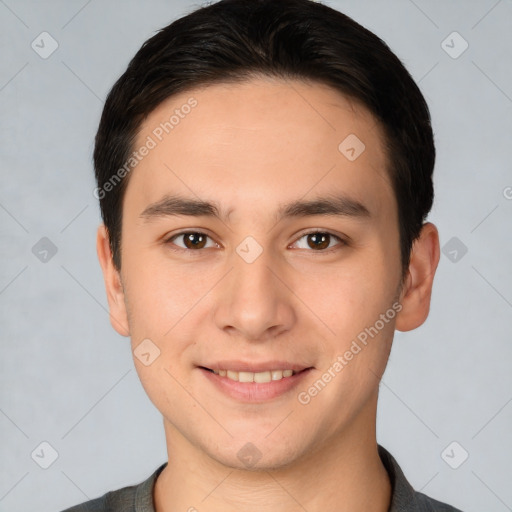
{"points": [[242, 127]]}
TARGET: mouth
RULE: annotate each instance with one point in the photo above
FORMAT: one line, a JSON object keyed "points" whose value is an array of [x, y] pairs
{"points": [[251, 383], [259, 377]]}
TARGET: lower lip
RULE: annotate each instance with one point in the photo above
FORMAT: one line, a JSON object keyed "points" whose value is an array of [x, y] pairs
{"points": [[255, 391]]}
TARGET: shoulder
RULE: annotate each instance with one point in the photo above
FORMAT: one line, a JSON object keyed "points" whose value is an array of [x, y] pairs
{"points": [[138, 497], [113, 501], [404, 498], [97, 505], [427, 504]]}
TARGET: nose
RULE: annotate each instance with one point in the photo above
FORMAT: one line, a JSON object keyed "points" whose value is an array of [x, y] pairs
{"points": [[252, 302]]}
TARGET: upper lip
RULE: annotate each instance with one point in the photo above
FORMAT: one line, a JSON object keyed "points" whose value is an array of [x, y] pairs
{"points": [[251, 366]]}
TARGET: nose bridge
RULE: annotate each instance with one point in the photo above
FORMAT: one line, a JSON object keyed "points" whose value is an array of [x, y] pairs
{"points": [[254, 300], [252, 276]]}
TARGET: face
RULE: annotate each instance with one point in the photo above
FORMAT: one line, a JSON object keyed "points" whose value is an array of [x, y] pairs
{"points": [[288, 259]]}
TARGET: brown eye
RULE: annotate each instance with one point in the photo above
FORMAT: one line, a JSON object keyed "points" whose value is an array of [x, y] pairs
{"points": [[193, 240], [318, 241]]}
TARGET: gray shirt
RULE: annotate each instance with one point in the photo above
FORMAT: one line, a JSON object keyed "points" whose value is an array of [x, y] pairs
{"points": [[139, 498]]}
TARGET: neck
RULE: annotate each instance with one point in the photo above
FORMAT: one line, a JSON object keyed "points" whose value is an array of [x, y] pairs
{"points": [[344, 474]]}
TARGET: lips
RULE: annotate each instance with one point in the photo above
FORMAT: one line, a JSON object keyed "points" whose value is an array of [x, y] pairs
{"points": [[254, 367], [254, 383], [263, 379], [259, 377]]}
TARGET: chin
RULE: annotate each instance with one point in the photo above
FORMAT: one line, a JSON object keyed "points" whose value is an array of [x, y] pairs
{"points": [[260, 455]]}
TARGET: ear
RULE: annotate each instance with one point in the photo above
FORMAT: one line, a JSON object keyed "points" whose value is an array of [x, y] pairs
{"points": [[417, 289], [113, 283]]}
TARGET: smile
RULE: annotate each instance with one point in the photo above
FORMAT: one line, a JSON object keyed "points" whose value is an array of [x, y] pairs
{"points": [[266, 376], [255, 386]]}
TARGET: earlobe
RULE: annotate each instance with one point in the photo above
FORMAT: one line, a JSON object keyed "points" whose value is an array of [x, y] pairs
{"points": [[113, 284], [417, 289]]}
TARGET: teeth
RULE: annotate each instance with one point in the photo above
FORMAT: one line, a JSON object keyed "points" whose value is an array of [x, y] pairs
{"points": [[254, 377], [232, 375]]}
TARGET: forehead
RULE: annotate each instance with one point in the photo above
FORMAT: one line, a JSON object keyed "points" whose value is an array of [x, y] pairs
{"points": [[260, 143]]}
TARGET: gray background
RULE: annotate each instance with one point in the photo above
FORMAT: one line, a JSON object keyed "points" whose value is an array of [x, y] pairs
{"points": [[68, 378]]}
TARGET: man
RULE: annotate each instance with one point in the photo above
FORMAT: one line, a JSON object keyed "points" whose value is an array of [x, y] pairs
{"points": [[264, 172]]}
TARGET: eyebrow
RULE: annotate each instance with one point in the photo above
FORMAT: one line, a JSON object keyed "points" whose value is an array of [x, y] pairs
{"points": [[335, 205]]}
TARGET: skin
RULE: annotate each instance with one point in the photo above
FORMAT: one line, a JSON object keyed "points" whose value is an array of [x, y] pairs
{"points": [[251, 147]]}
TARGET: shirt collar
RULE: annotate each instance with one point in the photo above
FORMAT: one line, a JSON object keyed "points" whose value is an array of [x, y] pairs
{"points": [[403, 496]]}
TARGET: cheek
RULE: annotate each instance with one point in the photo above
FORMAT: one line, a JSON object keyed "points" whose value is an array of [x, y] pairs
{"points": [[350, 297], [164, 303], [159, 295], [158, 305]]}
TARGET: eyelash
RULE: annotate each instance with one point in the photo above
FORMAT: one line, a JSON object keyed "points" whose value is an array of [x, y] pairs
{"points": [[173, 247]]}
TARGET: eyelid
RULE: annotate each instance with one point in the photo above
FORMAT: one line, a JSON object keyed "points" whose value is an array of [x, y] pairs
{"points": [[168, 240], [342, 240]]}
